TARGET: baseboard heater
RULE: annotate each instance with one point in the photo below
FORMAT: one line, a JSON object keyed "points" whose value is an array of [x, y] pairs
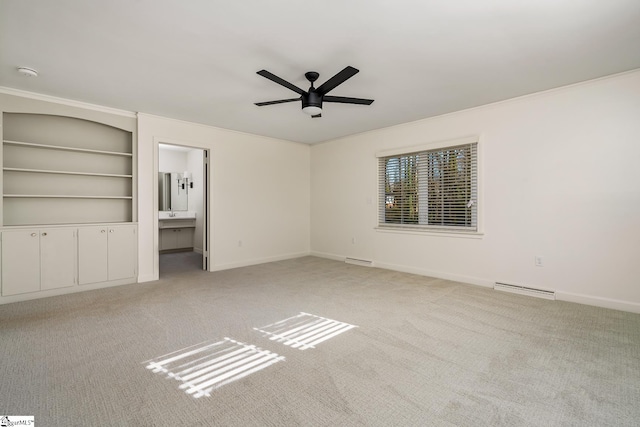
{"points": [[525, 290], [356, 261]]}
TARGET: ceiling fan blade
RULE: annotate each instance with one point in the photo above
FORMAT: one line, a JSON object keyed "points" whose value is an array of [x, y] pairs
{"points": [[347, 100], [336, 80], [316, 116], [280, 101], [274, 78]]}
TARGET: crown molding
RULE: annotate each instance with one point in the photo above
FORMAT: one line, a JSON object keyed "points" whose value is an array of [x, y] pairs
{"points": [[68, 102]]}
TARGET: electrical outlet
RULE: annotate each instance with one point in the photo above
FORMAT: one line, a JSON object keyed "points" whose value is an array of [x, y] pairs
{"points": [[239, 243], [538, 261], [353, 240]]}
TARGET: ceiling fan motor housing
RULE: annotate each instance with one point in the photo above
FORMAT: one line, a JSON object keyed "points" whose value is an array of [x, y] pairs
{"points": [[312, 99]]}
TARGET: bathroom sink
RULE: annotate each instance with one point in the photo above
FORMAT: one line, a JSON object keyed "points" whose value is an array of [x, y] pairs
{"points": [[176, 219], [176, 215]]}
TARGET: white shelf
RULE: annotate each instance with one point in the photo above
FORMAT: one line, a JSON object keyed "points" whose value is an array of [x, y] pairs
{"points": [[56, 147], [72, 170], [61, 196], [112, 175]]}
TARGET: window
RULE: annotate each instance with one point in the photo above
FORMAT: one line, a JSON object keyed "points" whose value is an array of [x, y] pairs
{"points": [[431, 189]]}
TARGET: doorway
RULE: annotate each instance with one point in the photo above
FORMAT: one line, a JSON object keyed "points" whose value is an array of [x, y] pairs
{"points": [[183, 219]]}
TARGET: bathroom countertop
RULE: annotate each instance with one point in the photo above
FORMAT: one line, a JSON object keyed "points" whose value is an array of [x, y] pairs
{"points": [[175, 215]]}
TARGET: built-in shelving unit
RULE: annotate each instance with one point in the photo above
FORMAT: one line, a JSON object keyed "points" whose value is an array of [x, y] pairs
{"points": [[68, 206], [65, 170]]}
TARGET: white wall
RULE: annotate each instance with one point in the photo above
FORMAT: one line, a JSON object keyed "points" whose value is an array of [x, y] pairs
{"points": [[560, 179], [172, 160], [259, 194]]}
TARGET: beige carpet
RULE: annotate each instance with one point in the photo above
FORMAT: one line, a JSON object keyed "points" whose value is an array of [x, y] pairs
{"points": [[201, 349]]}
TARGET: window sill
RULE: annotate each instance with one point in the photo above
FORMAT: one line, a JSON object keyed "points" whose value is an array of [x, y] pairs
{"points": [[430, 232]]}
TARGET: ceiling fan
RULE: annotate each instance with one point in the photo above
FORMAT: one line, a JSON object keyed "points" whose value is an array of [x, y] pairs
{"points": [[313, 98]]}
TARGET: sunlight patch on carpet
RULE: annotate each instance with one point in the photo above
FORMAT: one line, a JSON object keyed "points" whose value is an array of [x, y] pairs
{"points": [[304, 330], [207, 366]]}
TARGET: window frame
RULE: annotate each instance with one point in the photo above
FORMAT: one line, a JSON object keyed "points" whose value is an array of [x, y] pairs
{"points": [[452, 231]]}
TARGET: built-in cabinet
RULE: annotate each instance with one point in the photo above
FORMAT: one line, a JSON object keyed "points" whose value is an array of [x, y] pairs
{"points": [[176, 233], [50, 258], [107, 253], [38, 259], [67, 212]]}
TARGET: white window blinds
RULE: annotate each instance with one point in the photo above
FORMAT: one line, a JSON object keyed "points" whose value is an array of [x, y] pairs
{"points": [[430, 189]]}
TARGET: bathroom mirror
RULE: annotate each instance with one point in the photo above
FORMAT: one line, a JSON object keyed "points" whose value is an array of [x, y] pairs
{"points": [[171, 194]]}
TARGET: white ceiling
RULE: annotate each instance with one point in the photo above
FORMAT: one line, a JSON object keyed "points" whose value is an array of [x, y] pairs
{"points": [[196, 60]]}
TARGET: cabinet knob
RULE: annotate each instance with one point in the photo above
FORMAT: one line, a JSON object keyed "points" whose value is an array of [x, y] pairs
{"points": [[33, 234], [44, 234], [111, 231], [102, 231]]}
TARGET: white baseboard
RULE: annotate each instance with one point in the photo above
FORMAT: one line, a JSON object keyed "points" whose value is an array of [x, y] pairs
{"points": [[559, 295], [438, 274], [247, 263], [64, 291], [327, 256], [147, 278], [598, 301], [414, 270]]}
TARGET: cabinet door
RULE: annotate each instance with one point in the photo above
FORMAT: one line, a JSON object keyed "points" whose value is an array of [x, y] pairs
{"points": [[123, 253], [168, 239], [92, 255], [20, 262], [57, 258], [185, 237]]}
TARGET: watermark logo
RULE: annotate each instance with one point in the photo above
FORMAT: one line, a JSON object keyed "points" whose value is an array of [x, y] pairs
{"points": [[16, 420]]}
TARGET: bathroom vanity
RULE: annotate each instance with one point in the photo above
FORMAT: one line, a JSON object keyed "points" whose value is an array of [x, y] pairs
{"points": [[176, 230]]}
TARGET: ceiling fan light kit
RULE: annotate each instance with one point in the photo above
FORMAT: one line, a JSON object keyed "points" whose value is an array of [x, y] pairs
{"points": [[312, 110], [313, 98]]}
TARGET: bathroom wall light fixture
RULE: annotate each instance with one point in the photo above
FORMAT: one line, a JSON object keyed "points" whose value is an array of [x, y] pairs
{"points": [[186, 180]]}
